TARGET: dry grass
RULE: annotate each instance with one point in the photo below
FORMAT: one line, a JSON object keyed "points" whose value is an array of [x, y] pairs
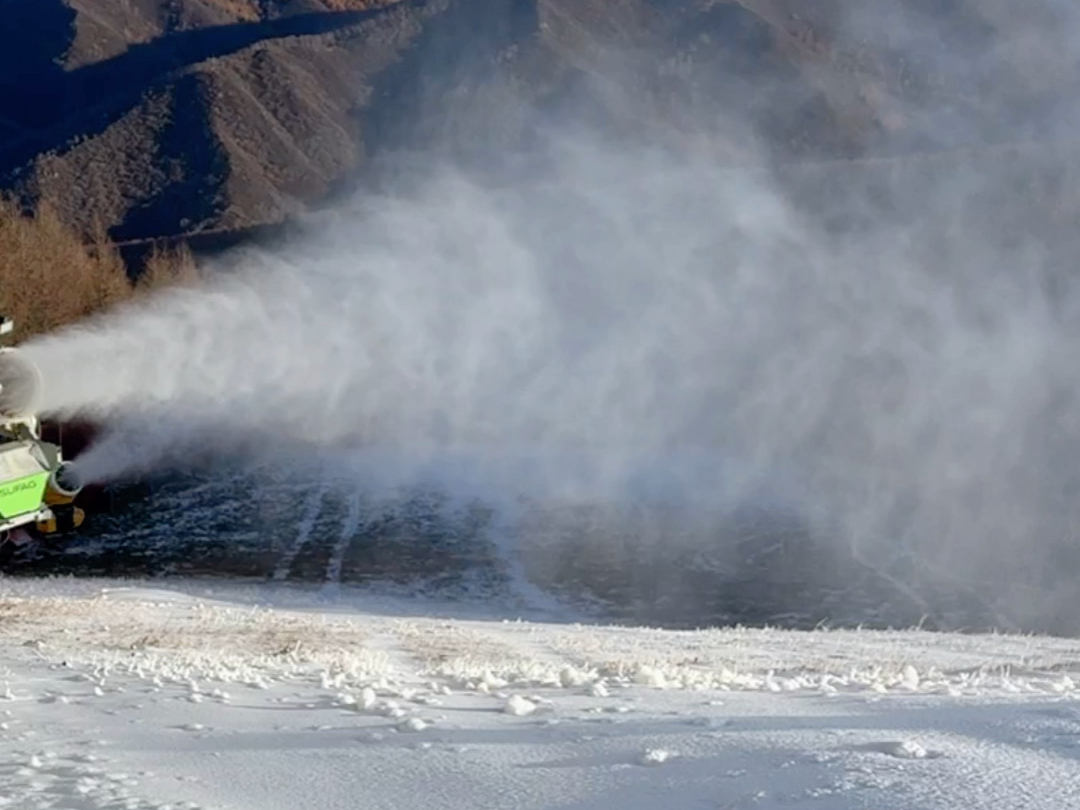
{"points": [[180, 638], [50, 275], [242, 10], [169, 267]]}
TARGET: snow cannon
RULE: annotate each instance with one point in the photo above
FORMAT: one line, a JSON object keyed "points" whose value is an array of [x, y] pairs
{"points": [[37, 487]]}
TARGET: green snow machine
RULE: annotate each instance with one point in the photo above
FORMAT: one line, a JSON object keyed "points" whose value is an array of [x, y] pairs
{"points": [[37, 487]]}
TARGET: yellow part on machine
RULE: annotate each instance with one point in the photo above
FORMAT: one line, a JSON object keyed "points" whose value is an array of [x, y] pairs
{"points": [[62, 521], [54, 497]]}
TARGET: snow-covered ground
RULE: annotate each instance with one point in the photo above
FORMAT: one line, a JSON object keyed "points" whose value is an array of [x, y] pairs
{"points": [[276, 698]]}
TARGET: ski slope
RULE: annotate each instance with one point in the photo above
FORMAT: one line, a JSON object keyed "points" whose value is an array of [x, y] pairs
{"points": [[278, 698]]}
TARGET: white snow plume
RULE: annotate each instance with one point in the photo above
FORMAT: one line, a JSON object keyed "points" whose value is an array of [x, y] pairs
{"points": [[613, 315], [908, 365], [581, 312]]}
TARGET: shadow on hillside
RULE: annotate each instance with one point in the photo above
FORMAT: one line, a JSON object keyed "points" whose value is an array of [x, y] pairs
{"points": [[190, 150], [36, 35], [84, 102]]}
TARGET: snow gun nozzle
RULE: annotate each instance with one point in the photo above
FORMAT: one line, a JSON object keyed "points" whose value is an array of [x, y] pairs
{"points": [[66, 480]]}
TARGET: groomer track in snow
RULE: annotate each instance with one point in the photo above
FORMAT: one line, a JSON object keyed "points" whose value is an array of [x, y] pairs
{"points": [[252, 525], [610, 562]]}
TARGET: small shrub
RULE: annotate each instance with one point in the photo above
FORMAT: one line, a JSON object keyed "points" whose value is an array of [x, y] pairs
{"points": [[169, 267], [51, 275]]}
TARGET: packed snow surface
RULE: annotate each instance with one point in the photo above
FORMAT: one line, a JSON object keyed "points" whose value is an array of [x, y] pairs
{"points": [[272, 698]]}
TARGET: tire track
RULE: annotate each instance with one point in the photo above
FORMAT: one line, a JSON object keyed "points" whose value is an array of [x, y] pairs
{"points": [[350, 525], [312, 510]]}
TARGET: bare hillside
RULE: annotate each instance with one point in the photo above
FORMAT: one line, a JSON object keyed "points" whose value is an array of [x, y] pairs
{"points": [[167, 117]]}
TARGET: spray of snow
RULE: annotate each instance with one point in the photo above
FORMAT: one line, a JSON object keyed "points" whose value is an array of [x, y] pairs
{"points": [[910, 377], [576, 336]]}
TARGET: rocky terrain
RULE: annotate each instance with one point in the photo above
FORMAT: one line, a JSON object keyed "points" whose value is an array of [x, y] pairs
{"points": [[154, 118]]}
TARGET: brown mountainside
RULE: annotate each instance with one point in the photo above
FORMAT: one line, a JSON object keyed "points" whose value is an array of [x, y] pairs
{"points": [[166, 117]]}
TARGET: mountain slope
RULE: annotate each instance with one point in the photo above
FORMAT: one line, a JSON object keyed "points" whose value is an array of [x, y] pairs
{"points": [[165, 117]]}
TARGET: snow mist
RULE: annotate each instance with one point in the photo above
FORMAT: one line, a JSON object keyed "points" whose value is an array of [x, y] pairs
{"points": [[581, 319], [895, 359]]}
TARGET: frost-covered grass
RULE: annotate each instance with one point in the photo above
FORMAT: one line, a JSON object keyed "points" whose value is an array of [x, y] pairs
{"points": [[155, 631]]}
